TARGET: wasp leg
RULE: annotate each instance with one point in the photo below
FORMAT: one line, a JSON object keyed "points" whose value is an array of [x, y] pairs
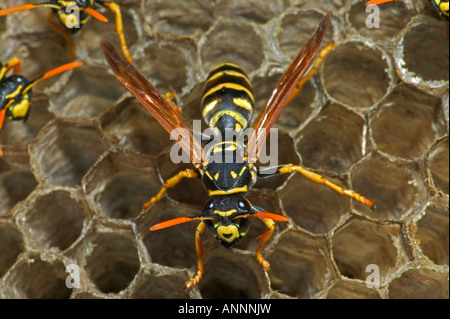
{"points": [[200, 253], [311, 72], [265, 237], [171, 182], [322, 180], [114, 7], [61, 30], [13, 63]]}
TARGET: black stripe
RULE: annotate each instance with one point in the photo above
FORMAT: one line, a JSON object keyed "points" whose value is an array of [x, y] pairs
{"points": [[225, 67], [225, 78]]}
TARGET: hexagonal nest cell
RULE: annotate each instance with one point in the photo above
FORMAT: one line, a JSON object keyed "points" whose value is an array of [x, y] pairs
{"points": [[374, 119]]}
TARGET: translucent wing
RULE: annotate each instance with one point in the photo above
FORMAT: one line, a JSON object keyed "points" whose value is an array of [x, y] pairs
{"points": [[167, 115], [281, 95]]}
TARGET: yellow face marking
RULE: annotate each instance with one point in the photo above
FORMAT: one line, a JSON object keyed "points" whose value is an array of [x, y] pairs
{"points": [[20, 110], [242, 170], [238, 117], [231, 231], [216, 177], [233, 174], [233, 86], [225, 214], [15, 93], [245, 104], [232, 73], [243, 189], [210, 106]]}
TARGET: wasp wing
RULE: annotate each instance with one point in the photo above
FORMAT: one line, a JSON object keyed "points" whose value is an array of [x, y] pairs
{"points": [[281, 95], [167, 115]]}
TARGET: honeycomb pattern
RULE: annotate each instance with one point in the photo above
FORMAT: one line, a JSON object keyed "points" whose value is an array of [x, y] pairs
{"points": [[375, 118]]}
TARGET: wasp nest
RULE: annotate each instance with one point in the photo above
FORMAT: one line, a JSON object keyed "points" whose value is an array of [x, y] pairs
{"points": [[374, 119]]}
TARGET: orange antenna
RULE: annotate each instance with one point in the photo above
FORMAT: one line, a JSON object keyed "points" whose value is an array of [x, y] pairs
{"points": [[173, 222], [28, 6], [96, 14], [53, 72], [270, 216], [377, 2]]}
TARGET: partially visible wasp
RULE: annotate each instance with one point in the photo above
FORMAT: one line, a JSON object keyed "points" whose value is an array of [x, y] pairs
{"points": [[16, 90], [228, 104], [441, 7], [72, 15]]}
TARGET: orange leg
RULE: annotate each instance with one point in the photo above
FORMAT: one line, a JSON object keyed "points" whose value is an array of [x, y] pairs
{"points": [[61, 30], [171, 182], [311, 72], [264, 238], [114, 7], [200, 253], [322, 180]]}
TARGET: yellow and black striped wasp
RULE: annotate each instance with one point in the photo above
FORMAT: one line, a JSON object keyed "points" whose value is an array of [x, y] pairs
{"points": [[16, 90], [228, 104], [73, 14]]}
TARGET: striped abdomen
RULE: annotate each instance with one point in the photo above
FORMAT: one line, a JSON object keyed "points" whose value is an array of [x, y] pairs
{"points": [[228, 99]]}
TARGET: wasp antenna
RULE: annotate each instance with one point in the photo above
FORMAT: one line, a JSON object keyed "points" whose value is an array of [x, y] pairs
{"points": [[96, 14], [377, 2], [173, 222], [270, 216], [2, 117], [28, 6], [60, 69]]}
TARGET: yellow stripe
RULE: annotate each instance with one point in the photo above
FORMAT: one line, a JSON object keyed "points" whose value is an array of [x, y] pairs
{"points": [[209, 175], [227, 213], [233, 86], [245, 104], [15, 93], [223, 64], [210, 106], [238, 117], [231, 73], [242, 189], [67, 3]]}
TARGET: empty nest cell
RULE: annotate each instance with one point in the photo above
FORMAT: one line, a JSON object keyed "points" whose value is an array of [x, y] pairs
{"points": [[55, 220]]}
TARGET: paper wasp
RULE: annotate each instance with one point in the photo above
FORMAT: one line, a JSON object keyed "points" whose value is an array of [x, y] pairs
{"points": [[228, 104], [16, 90], [70, 23]]}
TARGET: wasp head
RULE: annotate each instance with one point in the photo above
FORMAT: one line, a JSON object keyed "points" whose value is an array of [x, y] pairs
{"points": [[228, 218]]}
